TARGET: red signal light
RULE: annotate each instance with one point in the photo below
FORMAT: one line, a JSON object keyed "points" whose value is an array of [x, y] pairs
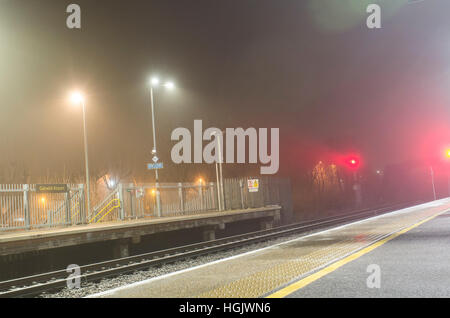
{"points": [[352, 162]]}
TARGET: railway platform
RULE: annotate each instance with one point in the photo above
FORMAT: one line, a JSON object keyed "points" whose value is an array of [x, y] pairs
{"points": [[319, 259]]}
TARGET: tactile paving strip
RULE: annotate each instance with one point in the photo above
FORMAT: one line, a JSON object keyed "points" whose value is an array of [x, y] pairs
{"points": [[275, 276]]}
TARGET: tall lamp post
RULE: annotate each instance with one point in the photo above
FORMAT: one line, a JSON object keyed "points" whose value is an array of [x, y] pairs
{"points": [[219, 177], [78, 99], [170, 86]]}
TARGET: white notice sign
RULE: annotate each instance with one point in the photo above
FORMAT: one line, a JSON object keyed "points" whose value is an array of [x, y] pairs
{"points": [[253, 185]]}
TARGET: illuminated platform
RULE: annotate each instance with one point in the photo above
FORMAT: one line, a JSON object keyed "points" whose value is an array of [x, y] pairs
{"points": [[283, 269]]}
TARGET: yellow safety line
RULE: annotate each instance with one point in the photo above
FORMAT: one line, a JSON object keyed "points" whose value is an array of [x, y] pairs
{"points": [[331, 268], [104, 209]]}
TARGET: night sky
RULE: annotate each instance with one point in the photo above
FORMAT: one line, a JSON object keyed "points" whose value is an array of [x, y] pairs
{"points": [[311, 68]]}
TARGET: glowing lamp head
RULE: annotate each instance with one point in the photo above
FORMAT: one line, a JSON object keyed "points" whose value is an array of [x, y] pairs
{"points": [[76, 98], [154, 81]]}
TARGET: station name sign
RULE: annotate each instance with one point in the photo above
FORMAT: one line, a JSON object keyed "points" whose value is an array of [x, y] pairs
{"points": [[51, 188]]}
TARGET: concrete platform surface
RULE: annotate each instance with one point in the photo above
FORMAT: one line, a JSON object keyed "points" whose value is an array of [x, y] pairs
{"points": [[270, 270], [414, 264]]}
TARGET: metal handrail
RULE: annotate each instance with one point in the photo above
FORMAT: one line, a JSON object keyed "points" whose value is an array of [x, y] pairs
{"points": [[117, 206], [108, 197], [114, 207]]}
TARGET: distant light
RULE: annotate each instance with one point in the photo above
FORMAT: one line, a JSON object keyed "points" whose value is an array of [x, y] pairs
{"points": [[170, 85], [155, 81], [378, 172], [76, 98], [153, 192], [111, 183], [352, 162], [43, 200], [447, 153], [200, 181]]}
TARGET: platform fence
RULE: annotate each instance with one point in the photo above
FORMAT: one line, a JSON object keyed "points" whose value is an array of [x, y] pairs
{"points": [[23, 207]]}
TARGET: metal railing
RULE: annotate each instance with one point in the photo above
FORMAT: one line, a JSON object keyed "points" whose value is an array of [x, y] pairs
{"points": [[176, 199], [22, 207]]}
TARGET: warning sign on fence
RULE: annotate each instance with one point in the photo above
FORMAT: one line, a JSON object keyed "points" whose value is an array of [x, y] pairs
{"points": [[139, 193], [253, 185]]}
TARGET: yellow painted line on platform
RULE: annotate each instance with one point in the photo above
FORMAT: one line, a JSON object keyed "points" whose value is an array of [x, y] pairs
{"points": [[331, 268]]}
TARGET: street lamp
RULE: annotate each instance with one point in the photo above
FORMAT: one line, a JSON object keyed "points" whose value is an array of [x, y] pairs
{"points": [[78, 99], [154, 82]]}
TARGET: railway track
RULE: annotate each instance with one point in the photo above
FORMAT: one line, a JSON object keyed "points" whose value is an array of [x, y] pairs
{"points": [[52, 281]]}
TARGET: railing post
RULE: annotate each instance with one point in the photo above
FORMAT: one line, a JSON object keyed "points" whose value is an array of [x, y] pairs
{"points": [[211, 196], [82, 204], [200, 193], [241, 188], [180, 195], [121, 210], [222, 194], [26, 206], [158, 200], [132, 206], [67, 202]]}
